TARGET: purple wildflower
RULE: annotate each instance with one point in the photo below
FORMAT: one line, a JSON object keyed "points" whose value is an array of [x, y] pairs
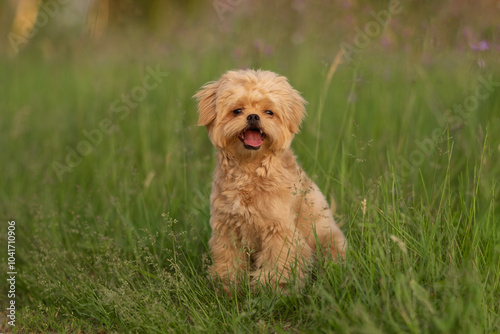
{"points": [[481, 46]]}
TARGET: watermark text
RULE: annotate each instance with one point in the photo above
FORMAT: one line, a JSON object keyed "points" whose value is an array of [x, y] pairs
{"points": [[11, 273]]}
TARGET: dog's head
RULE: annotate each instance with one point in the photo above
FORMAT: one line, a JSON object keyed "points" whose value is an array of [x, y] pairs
{"points": [[249, 110]]}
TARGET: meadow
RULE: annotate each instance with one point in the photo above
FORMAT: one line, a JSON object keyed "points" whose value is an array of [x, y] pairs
{"points": [[108, 178]]}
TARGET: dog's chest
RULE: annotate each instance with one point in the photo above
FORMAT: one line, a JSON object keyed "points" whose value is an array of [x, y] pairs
{"points": [[258, 200], [252, 201], [245, 199]]}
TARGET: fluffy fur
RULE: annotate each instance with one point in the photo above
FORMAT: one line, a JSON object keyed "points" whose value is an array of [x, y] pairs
{"points": [[267, 216]]}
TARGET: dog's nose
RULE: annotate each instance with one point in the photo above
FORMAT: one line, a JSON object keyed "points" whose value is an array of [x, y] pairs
{"points": [[253, 117]]}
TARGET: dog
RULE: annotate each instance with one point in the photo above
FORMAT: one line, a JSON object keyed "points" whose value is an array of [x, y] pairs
{"points": [[267, 216]]}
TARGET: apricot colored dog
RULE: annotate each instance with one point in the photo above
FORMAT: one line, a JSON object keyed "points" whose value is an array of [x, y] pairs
{"points": [[267, 216]]}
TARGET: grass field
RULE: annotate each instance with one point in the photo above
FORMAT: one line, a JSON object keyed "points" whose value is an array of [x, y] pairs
{"points": [[108, 181]]}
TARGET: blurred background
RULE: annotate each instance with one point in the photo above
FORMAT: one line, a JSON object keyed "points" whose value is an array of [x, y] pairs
{"points": [[131, 29], [94, 51]]}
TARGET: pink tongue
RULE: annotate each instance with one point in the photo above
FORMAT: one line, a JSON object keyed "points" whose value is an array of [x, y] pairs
{"points": [[253, 138]]}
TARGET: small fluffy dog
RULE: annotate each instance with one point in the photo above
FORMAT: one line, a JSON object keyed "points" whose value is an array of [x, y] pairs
{"points": [[267, 216]]}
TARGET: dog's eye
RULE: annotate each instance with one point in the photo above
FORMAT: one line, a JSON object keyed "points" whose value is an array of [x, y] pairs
{"points": [[269, 112], [237, 111]]}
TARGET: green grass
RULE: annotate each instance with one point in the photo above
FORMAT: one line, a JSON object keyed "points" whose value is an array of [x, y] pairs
{"points": [[120, 244]]}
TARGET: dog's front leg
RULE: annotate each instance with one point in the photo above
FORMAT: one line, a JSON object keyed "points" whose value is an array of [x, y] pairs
{"points": [[229, 258], [285, 256]]}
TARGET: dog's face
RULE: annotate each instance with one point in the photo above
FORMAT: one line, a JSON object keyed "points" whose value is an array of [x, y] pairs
{"points": [[250, 111]]}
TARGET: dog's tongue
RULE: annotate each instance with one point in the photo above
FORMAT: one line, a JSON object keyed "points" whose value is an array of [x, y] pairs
{"points": [[253, 138]]}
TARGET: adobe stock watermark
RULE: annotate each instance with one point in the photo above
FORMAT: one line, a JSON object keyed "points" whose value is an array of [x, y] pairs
{"points": [[11, 273], [452, 118], [24, 29], [120, 108], [226, 6], [371, 30]]}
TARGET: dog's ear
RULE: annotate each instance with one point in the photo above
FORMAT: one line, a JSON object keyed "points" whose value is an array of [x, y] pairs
{"points": [[206, 97], [297, 107]]}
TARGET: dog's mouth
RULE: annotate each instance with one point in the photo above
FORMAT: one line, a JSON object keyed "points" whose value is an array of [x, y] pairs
{"points": [[252, 138]]}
